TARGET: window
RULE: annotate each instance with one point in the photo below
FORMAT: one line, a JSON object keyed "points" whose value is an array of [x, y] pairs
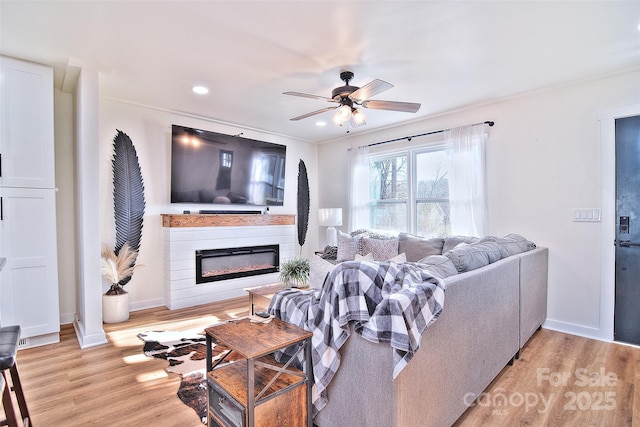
{"points": [[224, 173], [268, 177], [409, 191], [431, 202], [389, 192]]}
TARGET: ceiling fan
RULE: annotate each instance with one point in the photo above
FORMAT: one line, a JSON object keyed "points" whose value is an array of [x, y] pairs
{"points": [[350, 97]]}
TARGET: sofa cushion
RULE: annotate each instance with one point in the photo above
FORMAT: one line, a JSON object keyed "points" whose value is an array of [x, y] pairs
{"points": [[417, 248], [473, 256], [511, 244], [319, 268], [451, 242], [439, 265], [382, 249]]}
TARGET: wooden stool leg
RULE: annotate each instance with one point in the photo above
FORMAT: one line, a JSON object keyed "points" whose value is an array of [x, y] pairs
{"points": [[7, 404], [17, 388]]}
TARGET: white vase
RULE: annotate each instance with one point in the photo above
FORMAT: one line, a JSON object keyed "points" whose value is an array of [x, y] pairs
{"points": [[296, 283], [115, 308]]}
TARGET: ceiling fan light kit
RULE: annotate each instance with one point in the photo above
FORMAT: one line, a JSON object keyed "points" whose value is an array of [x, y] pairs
{"points": [[349, 97], [343, 114]]}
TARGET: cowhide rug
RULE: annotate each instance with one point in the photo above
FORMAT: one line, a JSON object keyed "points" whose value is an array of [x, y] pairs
{"points": [[186, 353]]}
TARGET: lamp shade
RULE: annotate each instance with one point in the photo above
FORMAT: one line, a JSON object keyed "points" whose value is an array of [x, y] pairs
{"points": [[330, 217]]}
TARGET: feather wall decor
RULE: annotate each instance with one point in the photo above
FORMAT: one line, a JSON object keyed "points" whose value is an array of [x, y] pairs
{"points": [[303, 203], [128, 195]]}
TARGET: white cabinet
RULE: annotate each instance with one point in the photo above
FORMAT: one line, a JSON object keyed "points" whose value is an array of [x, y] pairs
{"points": [[29, 279], [26, 122], [29, 293]]}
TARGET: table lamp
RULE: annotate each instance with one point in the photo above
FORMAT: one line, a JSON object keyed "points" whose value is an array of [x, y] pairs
{"points": [[331, 218]]}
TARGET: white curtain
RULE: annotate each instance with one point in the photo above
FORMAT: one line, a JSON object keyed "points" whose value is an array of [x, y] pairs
{"points": [[359, 188], [467, 180]]}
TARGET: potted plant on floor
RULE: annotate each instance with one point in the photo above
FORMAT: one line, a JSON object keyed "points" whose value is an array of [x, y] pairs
{"points": [[294, 273], [117, 270]]}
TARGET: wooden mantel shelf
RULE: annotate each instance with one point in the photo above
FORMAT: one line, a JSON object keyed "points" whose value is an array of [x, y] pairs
{"points": [[225, 220]]}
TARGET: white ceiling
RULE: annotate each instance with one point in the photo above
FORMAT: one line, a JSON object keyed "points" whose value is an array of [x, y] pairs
{"points": [[445, 55]]}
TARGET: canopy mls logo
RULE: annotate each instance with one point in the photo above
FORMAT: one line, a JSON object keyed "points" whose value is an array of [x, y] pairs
{"points": [[594, 393]]}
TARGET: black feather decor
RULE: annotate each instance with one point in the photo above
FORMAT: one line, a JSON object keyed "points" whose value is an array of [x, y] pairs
{"points": [[128, 195], [303, 203]]}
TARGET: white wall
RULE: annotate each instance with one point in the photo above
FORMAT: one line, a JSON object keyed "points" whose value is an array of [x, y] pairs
{"points": [[150, 131], [543, 160], [65, 205]]}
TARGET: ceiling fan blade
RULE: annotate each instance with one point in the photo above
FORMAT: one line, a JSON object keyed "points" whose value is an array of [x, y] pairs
{"points": [[306, 95], [370, 89], [313, 113], [405, 107]]}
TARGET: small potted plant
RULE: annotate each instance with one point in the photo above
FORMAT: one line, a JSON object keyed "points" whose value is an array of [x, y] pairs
{"points": [[117, 269], [294, 273]]}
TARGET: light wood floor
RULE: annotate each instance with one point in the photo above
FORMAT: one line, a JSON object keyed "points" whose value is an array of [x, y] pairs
{"points": [[116, 385]]}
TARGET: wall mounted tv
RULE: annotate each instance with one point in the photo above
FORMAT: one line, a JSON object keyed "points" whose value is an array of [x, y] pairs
{"points": [[214, 168]]}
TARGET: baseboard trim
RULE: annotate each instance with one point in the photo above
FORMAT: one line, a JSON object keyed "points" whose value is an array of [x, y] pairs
{"points": [[67, 318], [143, 305], [39, 340], [88, 340], [578, 330]]}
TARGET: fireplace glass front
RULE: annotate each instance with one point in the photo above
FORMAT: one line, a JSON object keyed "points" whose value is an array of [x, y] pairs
{"points": [[231, 263]]}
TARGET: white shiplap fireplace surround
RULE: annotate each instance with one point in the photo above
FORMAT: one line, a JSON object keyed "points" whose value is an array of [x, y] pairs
{"points": [[184, 234]]}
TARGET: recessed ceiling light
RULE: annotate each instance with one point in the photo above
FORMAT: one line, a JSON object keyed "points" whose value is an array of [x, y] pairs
{"points": [[200, 90], [321, 123]]}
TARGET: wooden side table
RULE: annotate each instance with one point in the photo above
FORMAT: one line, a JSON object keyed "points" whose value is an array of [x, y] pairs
{"points": [[260, 296], [258, 391]]}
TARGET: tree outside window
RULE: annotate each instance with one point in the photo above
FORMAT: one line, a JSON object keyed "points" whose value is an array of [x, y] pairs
{"points": [[432, 195], [388, 192], [409, 191]]}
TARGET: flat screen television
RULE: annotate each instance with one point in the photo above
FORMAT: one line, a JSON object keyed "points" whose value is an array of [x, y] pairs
{"points": [[214, 168]]}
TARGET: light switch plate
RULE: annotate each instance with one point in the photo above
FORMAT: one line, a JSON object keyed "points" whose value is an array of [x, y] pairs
{"points": [[587, 215]]}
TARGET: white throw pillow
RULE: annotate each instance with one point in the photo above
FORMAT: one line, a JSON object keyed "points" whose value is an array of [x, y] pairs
{"points": [[399, 259], [319, 270], [367, 257], [347, 246]]}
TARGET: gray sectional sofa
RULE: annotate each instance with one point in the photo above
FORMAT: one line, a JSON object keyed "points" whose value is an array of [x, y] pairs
{"points": [[489, 314]]}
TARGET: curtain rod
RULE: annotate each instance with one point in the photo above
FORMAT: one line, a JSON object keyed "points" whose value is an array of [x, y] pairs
{"points": [[408, 138]]}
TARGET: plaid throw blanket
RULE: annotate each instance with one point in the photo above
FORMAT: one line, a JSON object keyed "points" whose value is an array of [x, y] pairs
{"points": [[384, 302]]}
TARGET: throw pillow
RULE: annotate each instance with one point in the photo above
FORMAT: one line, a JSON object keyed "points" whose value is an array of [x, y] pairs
{"points": [[347, 246], [417, 248], [400, 258], [330, 253], [367, 257], [439, 265], [381, 249], [319, 269]]}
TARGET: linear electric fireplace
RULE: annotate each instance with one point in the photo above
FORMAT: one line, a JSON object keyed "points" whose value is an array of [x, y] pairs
{"points": [[230, 263]]}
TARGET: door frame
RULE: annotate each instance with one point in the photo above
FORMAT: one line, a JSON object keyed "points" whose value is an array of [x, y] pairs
{"points": [[608, 210]]}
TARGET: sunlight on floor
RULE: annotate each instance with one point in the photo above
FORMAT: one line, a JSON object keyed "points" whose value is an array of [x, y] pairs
{"points": [[150, 376], [124, 338], [135, 358], [235, 314]]}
